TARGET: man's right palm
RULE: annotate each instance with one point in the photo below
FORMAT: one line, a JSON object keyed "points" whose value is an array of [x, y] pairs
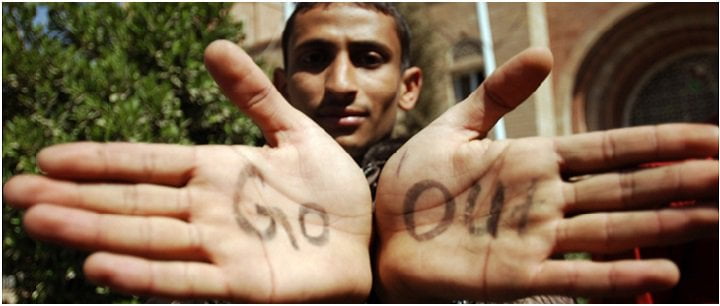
{"points": [[286, 222]]}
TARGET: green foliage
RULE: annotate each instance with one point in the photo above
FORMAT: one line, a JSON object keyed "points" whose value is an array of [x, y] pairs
{"points": [[103, 72]]}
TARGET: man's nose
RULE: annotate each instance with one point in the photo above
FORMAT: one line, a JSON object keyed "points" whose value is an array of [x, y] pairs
{"points": [[341, 77]]}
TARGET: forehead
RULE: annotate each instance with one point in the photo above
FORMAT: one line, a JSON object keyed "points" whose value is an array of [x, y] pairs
{"points": [[344, 22]]}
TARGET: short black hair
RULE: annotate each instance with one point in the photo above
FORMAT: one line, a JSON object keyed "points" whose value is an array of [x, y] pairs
{"points": [[401, 27]]}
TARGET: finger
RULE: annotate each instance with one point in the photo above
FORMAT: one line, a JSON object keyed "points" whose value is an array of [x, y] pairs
{"points": [[693, 180], [598, 151], [613, 232], [246, 85], [618, 278], [505, 89], [24, 191], [136, 162], [185, 280], [156, 237]]}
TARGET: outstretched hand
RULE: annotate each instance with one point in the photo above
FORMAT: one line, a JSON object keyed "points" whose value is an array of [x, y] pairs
{"points": [[287, 222], [464, 217]]}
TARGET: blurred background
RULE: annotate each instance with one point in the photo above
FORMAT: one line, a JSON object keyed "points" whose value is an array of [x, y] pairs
{"points": [[134, 72], [616, 64]]}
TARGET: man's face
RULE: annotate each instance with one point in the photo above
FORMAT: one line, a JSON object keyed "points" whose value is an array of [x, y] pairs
{"points": [[344, 73]]}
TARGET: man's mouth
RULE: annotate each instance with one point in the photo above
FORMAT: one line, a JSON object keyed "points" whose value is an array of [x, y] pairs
{"points": [[341, 117]]}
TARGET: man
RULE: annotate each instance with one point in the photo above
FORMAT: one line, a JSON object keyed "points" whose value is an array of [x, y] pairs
{"points": [[350, 82], [458, 216]]}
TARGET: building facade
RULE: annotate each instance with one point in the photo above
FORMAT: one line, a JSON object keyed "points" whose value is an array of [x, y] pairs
{"points": [[616, 64]]}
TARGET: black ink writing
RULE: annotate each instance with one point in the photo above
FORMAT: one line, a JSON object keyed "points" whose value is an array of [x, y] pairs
{"points": [[470, 210], [496, 206], [248, 228], [411, 198], [276, 215], [246, 173], [492, 223], [524, 209], [402, 159], [311, 208], [269, 232]]}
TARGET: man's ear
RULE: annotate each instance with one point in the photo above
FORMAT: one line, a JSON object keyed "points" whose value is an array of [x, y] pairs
{"points": [[280, 81], [412, 84]]}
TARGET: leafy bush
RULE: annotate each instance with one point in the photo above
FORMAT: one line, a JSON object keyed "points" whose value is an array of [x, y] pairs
{"points": [[103, 72]]}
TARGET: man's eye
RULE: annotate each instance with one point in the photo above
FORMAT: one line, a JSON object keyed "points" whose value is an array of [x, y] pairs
{"points": [[313, 58], [369, 60]]}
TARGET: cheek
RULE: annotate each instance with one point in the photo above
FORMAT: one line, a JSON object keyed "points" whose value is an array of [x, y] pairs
{"points": [[305, 93], [383, 92], [384, 108], [386, 122]]}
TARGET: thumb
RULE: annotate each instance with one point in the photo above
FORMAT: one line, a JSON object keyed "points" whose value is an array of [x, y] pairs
{"points": [[245, 84], [505, 89]]}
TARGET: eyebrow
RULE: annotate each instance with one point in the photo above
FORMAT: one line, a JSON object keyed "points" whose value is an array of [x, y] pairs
{"points": [[314, 44], [320, 43]]}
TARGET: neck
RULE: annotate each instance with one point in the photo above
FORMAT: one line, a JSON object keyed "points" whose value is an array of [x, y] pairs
{"points": [[381, 149]]}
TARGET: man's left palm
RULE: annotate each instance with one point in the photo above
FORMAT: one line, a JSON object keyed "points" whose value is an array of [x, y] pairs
{"points": [[463, 217]]}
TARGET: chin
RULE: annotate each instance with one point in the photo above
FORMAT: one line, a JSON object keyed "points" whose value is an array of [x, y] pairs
{"points": [[352, 145]]}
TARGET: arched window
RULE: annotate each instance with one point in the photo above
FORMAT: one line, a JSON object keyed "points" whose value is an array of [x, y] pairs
{"points": [[466, 48], [683, 89], [467, 69], [658, 64]]}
